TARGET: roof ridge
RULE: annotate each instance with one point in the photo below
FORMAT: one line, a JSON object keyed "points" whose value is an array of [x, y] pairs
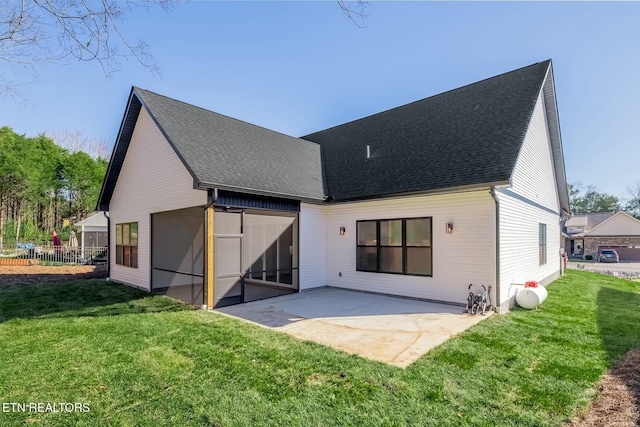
{"points": [[430, 97], [137, 89]]}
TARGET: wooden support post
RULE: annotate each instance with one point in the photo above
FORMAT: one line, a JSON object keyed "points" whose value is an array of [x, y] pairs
{"points": [[210, 251]]}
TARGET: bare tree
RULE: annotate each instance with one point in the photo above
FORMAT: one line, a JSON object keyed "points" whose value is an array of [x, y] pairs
{"points": [[48, 30], [35, 31], [51, 30], [75, 141], [357, 11], [632, 205]]}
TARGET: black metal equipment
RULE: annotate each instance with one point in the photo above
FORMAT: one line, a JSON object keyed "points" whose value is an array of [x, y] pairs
{"points": [[478, 301]]}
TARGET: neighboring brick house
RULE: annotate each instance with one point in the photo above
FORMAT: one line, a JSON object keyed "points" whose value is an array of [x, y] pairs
{"points": [[575, 228], [588, 234]]}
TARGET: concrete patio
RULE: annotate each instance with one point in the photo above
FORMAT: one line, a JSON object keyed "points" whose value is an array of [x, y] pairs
{"points": [[389, 329]]}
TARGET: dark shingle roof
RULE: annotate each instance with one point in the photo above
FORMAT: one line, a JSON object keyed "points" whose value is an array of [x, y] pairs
{"points": [[469, 136], [225, 152], [465, 138]]}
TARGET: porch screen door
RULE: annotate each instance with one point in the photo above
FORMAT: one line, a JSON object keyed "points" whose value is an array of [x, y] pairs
{"points": [[228, 258]]}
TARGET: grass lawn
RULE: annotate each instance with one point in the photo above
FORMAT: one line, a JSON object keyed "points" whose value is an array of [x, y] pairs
{"points": [[141, 360]]}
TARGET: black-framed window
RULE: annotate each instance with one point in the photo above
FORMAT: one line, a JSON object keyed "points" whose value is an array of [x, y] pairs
{"points": [[542, 237], [127, 244], [400, 246]]}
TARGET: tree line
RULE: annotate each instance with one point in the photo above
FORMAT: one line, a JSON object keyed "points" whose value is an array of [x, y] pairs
{"points": [[588, 199], [42, 184]]}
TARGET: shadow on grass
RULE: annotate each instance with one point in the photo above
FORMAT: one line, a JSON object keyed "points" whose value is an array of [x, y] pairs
{"points": [[12, 279], [87, 298], [618, 320]]}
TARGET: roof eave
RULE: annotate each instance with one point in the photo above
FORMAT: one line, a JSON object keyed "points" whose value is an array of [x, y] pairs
{"points": [[553, 120], [207, 185], [433, 192], [102, 204]]}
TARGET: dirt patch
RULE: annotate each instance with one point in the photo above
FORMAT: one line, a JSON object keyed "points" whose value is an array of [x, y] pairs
{"points": [[14, 275], [618, 398]]}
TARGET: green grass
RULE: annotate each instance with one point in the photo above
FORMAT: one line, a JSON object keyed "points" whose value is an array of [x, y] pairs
{"points": [[139, 360]]}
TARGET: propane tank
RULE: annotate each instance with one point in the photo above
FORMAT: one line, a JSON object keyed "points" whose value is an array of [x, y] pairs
{"points": [[530, 297]]}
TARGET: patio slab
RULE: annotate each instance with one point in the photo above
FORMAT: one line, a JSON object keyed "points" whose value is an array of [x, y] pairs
{"points": [[385, 328]]}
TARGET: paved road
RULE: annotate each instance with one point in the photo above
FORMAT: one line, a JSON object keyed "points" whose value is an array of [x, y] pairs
{"points": [[627, 267]]}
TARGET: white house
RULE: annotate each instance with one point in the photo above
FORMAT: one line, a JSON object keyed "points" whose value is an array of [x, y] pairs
{"points": [[463, 187], [93, 231]]}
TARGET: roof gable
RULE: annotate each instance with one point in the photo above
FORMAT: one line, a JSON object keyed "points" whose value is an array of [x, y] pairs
{"points": [[467, 137], [96, 220], [222, 152], [620, 224]]}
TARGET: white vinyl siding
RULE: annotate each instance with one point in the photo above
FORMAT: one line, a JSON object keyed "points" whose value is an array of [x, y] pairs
{"points": [[530, 201], [534, 175], [519, 244], [152, 179], [464, 257], [313, 246]]}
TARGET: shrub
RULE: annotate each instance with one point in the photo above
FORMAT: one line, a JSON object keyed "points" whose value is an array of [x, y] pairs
{"points": [[588, 257]]}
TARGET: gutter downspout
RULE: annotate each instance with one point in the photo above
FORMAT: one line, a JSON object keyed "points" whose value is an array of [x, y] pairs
{"points": [[212, 198], [108, 242], [564, 215], [498, 307]]}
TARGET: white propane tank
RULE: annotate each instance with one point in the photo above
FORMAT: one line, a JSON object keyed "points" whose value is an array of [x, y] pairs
{"points": [[530, 298]]}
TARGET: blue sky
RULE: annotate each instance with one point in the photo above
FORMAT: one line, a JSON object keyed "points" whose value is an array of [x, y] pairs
{"points": [[298, 67]]}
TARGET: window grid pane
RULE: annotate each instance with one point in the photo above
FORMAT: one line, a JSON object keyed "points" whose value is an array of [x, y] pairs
{"points": [[119, 234], [133, 231], [126, 259], [419, 232], [367, 258], [367, 234], [419, 261], [390, 260], [125, 235], [391, 233], [134, 256]]}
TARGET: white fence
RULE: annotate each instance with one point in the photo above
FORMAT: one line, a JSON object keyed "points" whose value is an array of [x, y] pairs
{"points": [[29, 254]]}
